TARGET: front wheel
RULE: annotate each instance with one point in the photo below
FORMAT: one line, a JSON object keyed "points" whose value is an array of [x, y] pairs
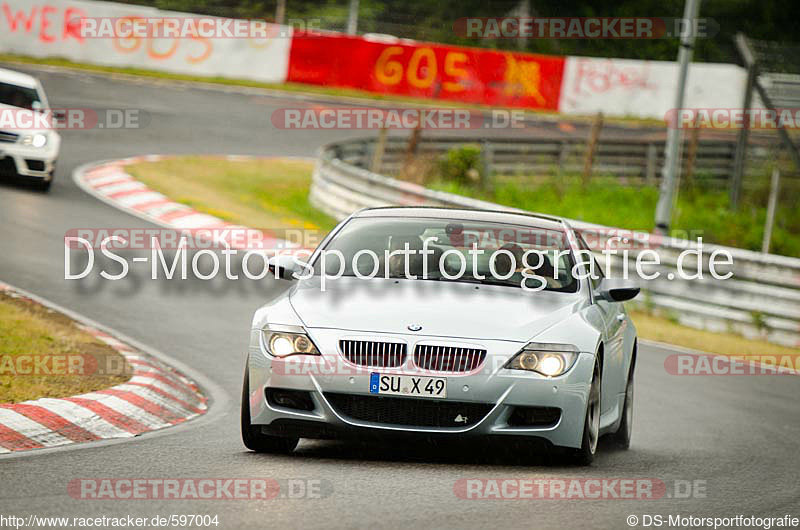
{"points": [[622, 438], [44, 185], [252, 436], [591, 428]]}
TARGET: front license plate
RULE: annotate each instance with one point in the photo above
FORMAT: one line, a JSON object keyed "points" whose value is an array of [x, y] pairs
{"points": [[407, 385]]}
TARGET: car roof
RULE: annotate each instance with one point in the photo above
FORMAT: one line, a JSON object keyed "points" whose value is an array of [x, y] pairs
{"points": [[467, 214], [13, 77]]}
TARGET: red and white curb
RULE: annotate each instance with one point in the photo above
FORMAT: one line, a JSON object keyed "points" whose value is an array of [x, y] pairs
{"points": [[156, 396], [110, 183]]}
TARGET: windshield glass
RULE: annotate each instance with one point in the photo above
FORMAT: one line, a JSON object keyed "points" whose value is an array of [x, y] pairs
{"points": [[451, 250], [18, 96]]}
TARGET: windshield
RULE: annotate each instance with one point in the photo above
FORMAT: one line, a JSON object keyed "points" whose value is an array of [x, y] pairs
{"points": [[449, 250], [18, 96]]}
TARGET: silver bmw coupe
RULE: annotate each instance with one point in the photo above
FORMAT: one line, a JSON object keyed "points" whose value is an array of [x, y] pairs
{"points": [[439, 322]]}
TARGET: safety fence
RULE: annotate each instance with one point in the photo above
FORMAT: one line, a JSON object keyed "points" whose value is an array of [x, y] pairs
{"points": [[712, 161]]}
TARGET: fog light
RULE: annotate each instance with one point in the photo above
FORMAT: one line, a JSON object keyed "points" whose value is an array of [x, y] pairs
{"points": [[289, 399], [534, 416]]}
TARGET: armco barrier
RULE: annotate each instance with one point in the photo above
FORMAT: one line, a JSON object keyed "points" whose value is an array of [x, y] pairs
{"points": [[628, 157], [761, 299]]}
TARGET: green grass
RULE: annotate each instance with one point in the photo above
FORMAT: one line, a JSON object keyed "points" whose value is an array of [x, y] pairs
{"points": [[663, 329], [608, 201], [31, 330], [269, 194]]}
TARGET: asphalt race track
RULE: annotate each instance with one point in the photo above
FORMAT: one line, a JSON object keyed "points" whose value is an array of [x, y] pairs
{"points": [[737, 436]]}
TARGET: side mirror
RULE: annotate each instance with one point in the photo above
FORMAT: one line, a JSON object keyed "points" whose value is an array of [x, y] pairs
{"points": [[617, 290], [284, 267]]}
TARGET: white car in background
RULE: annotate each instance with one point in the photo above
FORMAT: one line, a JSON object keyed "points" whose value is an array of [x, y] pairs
{"points": [[29, 145]]}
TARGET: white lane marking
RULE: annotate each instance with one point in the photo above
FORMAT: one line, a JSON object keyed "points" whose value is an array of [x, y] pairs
{"points": [[140, 198], [122, 186], [100, 172], [31, 429], [196, 220], [163, 209], [127, 409], [114, 343], [111, 177], [143, 366], [82, 417]]}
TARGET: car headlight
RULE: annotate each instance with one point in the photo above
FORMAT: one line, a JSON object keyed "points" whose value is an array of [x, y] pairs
{"points": [[547, 359], [35, 140], [282, 341]]}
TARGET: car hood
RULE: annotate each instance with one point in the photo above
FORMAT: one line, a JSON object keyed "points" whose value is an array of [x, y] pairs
{"points": [[446, 309]]}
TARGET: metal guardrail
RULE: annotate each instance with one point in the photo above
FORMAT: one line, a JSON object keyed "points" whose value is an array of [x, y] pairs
{"points": [[783, 89], [760, 300], [631, 158]]}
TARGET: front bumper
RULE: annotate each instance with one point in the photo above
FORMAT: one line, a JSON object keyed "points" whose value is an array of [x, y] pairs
{"points": [[25, 161], [500, 389]]}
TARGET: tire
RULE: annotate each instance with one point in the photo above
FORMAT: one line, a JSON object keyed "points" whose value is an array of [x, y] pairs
{"points": [[252, 437], [44, 185], [591, 425], [622, 438]]}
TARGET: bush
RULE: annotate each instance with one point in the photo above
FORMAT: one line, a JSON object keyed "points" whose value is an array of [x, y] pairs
{"points": [[463, 165]]}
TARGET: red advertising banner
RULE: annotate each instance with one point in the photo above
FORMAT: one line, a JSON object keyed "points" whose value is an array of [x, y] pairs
{"points": [[427, 70]]}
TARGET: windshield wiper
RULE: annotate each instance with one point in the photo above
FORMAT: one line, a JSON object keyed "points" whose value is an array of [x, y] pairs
{"points": [[486, 281]]}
